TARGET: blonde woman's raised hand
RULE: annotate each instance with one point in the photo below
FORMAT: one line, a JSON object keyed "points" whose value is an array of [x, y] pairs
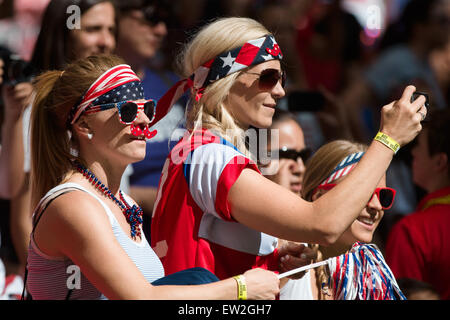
{"points": [[401, 118]]}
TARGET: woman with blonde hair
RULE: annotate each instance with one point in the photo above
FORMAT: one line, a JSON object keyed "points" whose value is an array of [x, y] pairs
{"points": [[88, 123], [214, 209]]}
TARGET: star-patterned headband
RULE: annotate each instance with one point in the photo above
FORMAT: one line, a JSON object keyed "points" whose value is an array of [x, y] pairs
{"points": [[251, 53], [119, 83], [344, 167]]}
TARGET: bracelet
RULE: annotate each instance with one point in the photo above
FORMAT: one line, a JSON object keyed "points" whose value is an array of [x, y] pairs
{"points": [[387, 141], [242, 287]]}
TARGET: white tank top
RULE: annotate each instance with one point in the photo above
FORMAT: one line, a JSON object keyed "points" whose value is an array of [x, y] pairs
{"points": [[51, 278], [299, 289]]}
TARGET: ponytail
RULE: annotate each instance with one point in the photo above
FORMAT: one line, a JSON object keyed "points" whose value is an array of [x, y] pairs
{"points": [[49, 142], [56, 92]]}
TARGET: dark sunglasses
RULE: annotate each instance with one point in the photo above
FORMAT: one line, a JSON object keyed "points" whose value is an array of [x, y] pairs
{"points": [[292, 154], [269, 78], [385, 195], [128, 110], [159, 13]]}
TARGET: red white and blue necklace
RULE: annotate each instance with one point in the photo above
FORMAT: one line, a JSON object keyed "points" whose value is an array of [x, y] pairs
{"points": [[133, 214]]}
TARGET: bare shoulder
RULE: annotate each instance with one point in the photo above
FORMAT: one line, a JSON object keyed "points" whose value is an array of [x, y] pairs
{"points": [[74, 216], [76, 207]]}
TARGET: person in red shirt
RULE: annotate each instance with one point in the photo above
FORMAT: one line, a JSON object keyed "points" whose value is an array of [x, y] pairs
{"points": [[418, 246]]}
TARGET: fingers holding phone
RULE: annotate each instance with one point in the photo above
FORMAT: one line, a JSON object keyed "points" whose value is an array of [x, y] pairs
{"points": [[401, 119]]}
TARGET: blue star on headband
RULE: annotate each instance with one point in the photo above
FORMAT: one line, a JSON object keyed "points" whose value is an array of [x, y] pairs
{"points": [[128, 91]]}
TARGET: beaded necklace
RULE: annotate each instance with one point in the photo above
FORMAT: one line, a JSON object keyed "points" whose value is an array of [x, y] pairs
{"points": [[132, 214]]}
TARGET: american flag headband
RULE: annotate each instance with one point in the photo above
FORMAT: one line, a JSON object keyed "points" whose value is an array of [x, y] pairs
{"points": [[251, 53], [119, 83], [344, 167]]}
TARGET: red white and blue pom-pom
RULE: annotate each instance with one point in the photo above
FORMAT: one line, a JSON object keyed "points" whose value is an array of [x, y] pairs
{"points": [[362, 274]]}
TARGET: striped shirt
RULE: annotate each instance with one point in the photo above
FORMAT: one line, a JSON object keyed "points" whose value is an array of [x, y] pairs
{"points": [[50, 278]]}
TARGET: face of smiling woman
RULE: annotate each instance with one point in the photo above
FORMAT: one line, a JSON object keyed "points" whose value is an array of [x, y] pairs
{"points": [[248, 103], [363, 228], [96, 35]]}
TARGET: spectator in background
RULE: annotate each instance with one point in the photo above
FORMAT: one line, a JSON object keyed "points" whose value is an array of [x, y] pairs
{"points": [[417, 290], [142, 30], [289, 168], [418, 246], [440, 62], [19, 26], [56, 46], [15, 97], [328, 44], [20, 21], [11, 166]]}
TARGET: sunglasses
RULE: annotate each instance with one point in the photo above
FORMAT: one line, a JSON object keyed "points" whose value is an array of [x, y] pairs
{"points": [[292, 154], [128, 110], [269, 78], [155, 14], [385, 195]]}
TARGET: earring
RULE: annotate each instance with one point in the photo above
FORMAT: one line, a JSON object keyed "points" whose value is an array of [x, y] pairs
{"points": [[90, 135]]}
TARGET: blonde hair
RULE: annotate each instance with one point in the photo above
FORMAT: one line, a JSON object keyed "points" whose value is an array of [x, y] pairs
{"points": [[217, 37], [318, 168], [56, 92]]}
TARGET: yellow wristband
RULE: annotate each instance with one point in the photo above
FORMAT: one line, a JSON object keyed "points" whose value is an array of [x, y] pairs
{"points": [[242, 287], [387, 141]]}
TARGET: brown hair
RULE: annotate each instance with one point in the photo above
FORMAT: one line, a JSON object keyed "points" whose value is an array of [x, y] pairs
{"points": [[51, 137], [318, 168]]}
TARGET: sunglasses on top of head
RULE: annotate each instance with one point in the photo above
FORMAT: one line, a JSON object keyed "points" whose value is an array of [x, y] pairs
{"points": [[128, 110], [269, 78], [385, 195]]}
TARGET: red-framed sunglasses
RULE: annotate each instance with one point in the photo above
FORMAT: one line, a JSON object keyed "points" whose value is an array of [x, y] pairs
{"points": [[269, 78], [385, 195], [128, 110]]}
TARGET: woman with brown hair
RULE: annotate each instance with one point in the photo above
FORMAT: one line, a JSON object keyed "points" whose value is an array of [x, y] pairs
{"points": [[88, 123], [70, 30]]}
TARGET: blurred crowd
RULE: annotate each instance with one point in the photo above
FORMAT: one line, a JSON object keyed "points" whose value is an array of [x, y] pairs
{"points": [[343, 60]]}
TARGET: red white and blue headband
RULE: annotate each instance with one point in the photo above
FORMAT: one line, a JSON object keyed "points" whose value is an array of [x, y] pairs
{"points": [[253, 52], [119, 83], [344, 167]]}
